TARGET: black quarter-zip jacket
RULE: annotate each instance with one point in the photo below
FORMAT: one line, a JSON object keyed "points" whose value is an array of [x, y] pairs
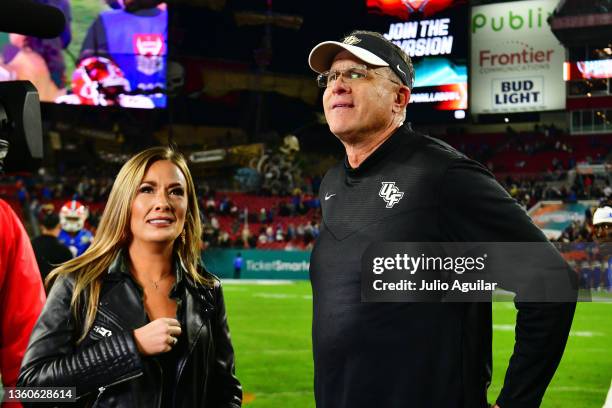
{"points": [[420, 354]]}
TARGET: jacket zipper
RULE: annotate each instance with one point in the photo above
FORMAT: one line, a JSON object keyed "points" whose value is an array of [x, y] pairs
{"points": [[104, 387], [100, 391]]}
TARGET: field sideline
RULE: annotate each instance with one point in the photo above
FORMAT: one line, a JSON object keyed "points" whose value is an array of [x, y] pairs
{"points": [[270, 327]]}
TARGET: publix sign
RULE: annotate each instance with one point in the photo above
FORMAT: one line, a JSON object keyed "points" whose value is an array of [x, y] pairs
{"points": [[510, 20], [516, 61]]}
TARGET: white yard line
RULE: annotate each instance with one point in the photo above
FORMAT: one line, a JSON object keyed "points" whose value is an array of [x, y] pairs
{"points": [[281, 296], [268, 282]]}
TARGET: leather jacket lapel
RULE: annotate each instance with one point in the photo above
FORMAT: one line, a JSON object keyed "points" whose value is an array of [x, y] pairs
{"points": [[124, 303], [198, 309]]}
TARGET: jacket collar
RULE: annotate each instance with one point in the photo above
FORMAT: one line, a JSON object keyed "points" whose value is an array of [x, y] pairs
{"points": [[120, 265], [119, 269], [401, 135]]}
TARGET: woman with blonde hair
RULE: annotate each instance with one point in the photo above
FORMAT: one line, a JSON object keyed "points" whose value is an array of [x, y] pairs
{"points": [[136, 321]]}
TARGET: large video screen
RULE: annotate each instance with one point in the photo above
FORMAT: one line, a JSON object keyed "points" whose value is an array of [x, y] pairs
{"points": [[111, 53], [434, 34]]}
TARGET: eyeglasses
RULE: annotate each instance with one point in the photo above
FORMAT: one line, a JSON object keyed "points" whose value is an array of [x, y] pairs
{"points": [[328, 78]]}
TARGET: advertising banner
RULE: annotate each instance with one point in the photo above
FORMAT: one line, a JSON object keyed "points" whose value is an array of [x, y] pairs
{"points": [[516, 61], [258, 264], [553, 217]]}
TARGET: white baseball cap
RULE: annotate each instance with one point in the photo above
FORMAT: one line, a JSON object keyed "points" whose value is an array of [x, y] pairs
{"points": [[602, 215], [371, 49]]}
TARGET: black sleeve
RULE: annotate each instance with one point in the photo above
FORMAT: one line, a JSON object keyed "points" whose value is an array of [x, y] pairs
{"points": [[474, 207], [53, 360], [225, 390], [95, 42], [64, 254]]}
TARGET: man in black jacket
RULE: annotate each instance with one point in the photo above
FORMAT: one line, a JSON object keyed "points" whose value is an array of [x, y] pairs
{"points": [[399, 186], [47, 248]]}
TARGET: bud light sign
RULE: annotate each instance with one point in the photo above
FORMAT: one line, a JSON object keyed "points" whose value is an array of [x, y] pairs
{"points": [[518, 94]]}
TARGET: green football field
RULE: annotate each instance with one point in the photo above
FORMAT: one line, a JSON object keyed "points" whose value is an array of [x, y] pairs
{"points": [[270, 327]]}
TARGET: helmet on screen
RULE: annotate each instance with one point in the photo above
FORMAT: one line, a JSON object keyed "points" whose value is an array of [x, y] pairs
{"points": [[99, 81], [72, 216]]}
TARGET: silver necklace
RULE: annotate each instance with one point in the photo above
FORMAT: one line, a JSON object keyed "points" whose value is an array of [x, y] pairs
{"points": [[157, 282]]}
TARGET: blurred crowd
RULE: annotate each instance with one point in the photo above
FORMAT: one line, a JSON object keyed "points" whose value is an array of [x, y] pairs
{"points": [[290, 224], [529, 190]]}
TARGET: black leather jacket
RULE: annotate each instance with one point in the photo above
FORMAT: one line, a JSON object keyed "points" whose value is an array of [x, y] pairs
{"points": [[107, 369]]}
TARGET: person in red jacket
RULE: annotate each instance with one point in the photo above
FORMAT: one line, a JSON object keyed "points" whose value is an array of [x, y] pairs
{"points": [[22, 294]]}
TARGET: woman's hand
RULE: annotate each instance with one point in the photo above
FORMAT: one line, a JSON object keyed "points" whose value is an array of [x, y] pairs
{"points": [[158, 336]]}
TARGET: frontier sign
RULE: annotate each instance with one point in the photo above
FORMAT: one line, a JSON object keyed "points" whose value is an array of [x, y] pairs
{"points": [[516, 61]]}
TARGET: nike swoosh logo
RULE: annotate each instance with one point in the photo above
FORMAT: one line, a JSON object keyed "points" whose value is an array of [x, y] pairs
{"points": [[327, 197], [400, 70]]}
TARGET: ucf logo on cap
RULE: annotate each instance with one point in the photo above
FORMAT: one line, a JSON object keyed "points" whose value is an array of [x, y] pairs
{"points": [[351, 40]]}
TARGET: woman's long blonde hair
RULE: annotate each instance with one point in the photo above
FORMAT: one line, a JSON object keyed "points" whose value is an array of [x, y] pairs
{"points": [[113, 234]]}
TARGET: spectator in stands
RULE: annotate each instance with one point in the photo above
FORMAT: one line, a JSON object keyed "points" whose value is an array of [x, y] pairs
{"points": [[49, 252], [46, 193], [252, 241], [300, 231], [308, 230], [290, 232], [211, 205], [224, 239], [585, 273], [315, 229], [602, 224], [246, 233], [270, 234], [235, 226], [607, 191], [214, 222], [22, 193], [234, 212], [280, 237]]}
